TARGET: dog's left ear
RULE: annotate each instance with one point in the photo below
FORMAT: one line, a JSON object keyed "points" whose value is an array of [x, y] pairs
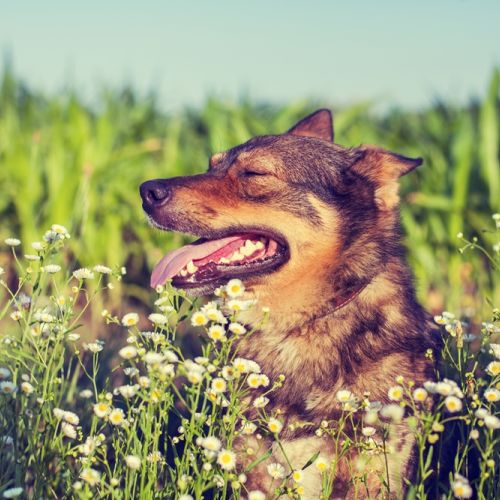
{"points": [[318, 125], [384, 169]]}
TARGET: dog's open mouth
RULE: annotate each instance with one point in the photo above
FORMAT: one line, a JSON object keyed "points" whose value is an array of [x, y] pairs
{"points": [[208, 261]]}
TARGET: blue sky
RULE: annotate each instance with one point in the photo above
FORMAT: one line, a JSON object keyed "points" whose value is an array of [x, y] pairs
{"points": [[395, 52]]}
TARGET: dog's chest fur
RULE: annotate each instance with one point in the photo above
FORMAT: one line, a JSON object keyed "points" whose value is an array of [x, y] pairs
{"points": [[361, 347]]}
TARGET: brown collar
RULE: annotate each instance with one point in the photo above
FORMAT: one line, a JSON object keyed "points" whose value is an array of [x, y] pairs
{"points": [[344, 299], [340, 301]]}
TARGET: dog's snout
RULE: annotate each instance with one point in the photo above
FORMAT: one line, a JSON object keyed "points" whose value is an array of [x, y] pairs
{"points": [[155, 193]]}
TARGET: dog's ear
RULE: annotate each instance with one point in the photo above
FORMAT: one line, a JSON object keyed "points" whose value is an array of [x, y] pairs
{"points": [[318, 125], [384, 169]]}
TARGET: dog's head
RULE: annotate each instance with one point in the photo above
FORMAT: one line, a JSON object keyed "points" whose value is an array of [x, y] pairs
{"points": [[280, 210]]}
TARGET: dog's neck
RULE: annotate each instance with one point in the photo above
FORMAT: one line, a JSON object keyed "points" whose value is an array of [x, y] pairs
{"points": [[385, 306], [297, 307], [370, 333]]}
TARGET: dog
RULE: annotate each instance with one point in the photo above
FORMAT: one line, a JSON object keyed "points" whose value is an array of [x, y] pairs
{"points": [[312, 229]]}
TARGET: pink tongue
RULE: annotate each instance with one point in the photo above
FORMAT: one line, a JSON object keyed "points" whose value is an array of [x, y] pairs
{"points": [[175, 260]]}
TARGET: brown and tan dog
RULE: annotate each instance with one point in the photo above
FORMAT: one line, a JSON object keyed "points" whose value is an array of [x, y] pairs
{"points": [[312, 229]]}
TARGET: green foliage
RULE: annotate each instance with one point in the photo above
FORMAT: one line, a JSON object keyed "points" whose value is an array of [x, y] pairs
{"points": [[62, 161]]}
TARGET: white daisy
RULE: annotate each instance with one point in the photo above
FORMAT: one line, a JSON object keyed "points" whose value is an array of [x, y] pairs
{"points": [[492, 395], [235, 288], [256, 495], [199, 319], [276, 470], [12, 242], [128, 391], [274, 425], [420, 394], [246, 365], [226, 459], [89, 446], [260, 402], [51, 268], [321, 463], [393, 412], [116, 417], [216, 333], [83, 273], [71, 418], [133, 462], [153, 358], [128, 352], [461, 487], [344, 396], [27, 388], [492, 422], [31, 257], [158, 319], [68, 430], [493, 368], [237, 328], [90, 476], [101, 409], [219, 385], [130, 319], [8, 387], [395, 393], [453, 404], [102, 269], [211, 443]]}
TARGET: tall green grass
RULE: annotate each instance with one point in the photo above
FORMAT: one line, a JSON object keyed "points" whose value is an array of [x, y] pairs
{"points": [[62, 161]]}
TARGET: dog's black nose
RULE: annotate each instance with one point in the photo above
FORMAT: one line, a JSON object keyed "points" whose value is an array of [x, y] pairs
{"points": [[154, 193]]}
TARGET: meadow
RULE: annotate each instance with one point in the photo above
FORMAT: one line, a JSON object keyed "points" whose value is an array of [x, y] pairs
{"points": [[104, 392]]}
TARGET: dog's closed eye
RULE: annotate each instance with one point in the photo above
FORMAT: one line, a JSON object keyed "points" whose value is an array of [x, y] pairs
{"points": [[253, 173]]}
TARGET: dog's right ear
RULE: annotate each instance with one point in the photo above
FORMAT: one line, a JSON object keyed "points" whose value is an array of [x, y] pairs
{"points": [[384, 169], [318, 125]]}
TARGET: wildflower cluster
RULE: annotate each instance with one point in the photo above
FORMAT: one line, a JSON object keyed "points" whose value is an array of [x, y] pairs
{"points": [[146, 416]]}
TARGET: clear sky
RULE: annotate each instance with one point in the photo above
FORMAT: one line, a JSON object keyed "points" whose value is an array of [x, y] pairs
{"points": [[394, 51]]}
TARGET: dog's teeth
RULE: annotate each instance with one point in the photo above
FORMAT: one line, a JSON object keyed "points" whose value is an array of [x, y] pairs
{"points": [[184, 272], [259, 245], [236, 256], [246, 250], [224, 260], [191, 268]]}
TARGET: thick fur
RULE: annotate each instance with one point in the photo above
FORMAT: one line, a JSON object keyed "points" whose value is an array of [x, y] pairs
{"points": [[337, 209]]}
